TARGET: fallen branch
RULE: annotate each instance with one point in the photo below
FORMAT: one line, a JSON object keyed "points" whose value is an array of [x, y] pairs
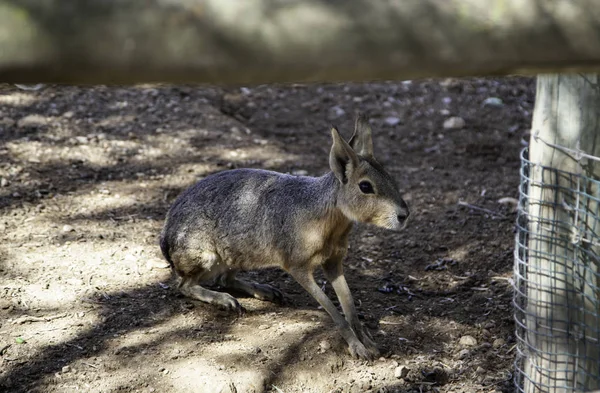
{"points": [[481, 209], [28, 318]]}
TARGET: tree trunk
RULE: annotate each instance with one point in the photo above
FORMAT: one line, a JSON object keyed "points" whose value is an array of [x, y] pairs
{"points": [[562, 276], [275, 41]]}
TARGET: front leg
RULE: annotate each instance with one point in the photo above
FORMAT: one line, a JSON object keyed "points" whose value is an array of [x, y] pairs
{"points": [[334, 271], [306, 279]]}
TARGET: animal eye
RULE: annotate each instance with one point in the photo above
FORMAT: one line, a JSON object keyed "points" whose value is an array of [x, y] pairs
{"points": [[366, 187]]}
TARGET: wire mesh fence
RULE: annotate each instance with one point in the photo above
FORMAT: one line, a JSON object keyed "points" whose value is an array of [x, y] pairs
{"points": [[557, 280]]}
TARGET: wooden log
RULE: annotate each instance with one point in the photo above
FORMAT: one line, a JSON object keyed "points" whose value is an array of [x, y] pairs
{"points": [[269, 41]]}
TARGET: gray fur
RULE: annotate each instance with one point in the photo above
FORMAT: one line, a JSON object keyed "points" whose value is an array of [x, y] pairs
{"points": [[247, 219]]}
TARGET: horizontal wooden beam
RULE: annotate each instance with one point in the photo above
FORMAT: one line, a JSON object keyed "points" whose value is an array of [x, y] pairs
{"points": [[278, 41]]}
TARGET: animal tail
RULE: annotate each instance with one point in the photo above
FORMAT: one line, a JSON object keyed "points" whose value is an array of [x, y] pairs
{"points": [[164, 247]]}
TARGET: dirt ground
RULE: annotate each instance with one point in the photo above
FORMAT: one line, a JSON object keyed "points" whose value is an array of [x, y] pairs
{"points": [[88, 304]]}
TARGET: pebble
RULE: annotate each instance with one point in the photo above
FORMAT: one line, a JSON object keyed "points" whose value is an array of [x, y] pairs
{"points": [[392, 121], [7, 121], [324, 346], [444, 112], [401, 372], [66, 369], [498, 343], [5, 304], [365, 384], [480, 370], [156, 263], [300, 172], [336, 112], [468, 341], [454, 123], [4, 182], [68, 228], [493, 101], [32, 121], [263, 327], [491, 325]]}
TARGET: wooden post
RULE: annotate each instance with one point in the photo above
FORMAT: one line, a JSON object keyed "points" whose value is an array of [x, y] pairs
{"points": [[562, 310]]}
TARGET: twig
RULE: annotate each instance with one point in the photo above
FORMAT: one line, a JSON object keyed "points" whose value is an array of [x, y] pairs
{"points": [[391, 323], [91, 365], [4, 348], [28, 318], [481, 209]]}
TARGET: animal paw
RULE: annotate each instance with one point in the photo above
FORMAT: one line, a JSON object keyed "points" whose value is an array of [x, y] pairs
{"points": [[358, 350], [229, 303], [366, 339], [268, 293]]}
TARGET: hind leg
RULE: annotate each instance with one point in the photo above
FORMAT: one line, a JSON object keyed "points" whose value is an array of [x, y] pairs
{"points": [[194, 268], [259, 291], [190, 288]]}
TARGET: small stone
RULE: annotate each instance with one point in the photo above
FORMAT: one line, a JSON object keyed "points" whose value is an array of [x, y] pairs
{"points": [[454, 123], [401, 372], [68, 114], [300, 172], [68, 228], [66, 369], [493, 101], [336, 112], [156, 263], [485, 346], [498, 343], [35, 87], [4, 182], [365, 384], [7, 122], [392, 121], [83, 140], [324, 346], [263, 327], [444, 112], [468, 341], [438, 376], [480, 370], [32, 121], [491, 325]]}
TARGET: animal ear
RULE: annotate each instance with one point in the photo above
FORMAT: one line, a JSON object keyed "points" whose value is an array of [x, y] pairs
{"points": [[362, 141], [342, 159]]}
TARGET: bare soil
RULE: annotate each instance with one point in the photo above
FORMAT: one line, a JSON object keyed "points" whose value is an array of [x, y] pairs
{"points": [[88, 304]]}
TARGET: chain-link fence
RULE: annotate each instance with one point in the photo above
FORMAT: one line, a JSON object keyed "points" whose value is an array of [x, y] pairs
{"points": [[557, 280]]}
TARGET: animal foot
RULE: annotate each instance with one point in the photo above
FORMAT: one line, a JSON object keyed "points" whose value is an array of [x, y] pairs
{"points": [[268, 293], [229, 303], [360, 351], [366, 339]]}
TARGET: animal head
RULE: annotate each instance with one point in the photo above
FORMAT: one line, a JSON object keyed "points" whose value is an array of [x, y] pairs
{"points": [[367, 192]]}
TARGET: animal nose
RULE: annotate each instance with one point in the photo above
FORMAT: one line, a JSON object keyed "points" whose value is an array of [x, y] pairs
{"points": [[403, 216]]}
